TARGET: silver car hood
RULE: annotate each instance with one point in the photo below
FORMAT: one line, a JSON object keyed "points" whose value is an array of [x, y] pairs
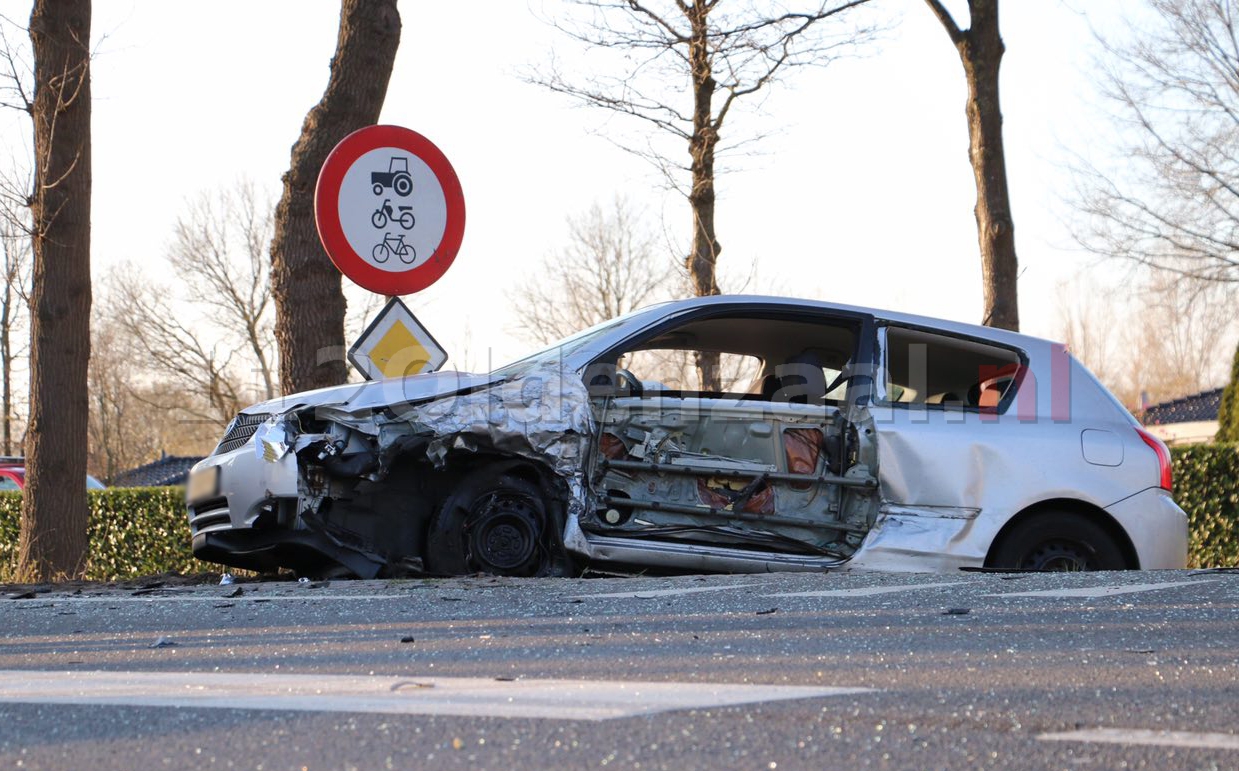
{"points": [[377, 393]]}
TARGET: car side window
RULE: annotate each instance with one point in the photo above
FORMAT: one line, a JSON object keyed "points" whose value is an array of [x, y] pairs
{"points": [[934, 370], [772, 358]]}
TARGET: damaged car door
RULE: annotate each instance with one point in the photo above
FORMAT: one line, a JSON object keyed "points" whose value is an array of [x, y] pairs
{"points": [[775, 463]]}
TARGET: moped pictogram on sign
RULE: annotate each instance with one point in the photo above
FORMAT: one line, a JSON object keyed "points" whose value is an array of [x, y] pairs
{"points": [[384, 214], [387, 192]]}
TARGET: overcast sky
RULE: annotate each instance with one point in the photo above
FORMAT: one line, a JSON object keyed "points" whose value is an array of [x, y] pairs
{"points": [[862, 193]]}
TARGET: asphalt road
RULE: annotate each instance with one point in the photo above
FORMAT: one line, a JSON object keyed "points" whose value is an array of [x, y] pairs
{"points": [[965, 671]]}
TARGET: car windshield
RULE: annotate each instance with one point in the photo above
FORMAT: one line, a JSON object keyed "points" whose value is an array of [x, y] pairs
{"points": [[561, 349]]}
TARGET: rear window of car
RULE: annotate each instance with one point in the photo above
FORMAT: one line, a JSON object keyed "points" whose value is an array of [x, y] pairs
{"points": [[929, 369]]}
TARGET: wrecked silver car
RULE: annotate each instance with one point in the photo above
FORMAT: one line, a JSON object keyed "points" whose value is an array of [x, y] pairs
{"points": [[714, 434]]}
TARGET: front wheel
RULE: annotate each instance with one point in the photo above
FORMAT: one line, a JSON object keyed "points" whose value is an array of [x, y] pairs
{"points": [[379, 219], [493, 523], [381, 253], [1058, 541]]}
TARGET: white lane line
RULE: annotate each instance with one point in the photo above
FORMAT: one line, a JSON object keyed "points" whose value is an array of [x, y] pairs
{"points": [[866, 592], [1193, 739], [462, 696], [309, 595], [1103, 591], [653, 593]]}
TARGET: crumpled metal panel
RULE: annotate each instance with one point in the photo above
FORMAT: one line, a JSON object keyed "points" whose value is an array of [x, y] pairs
{"points": [[542, 415], [904, 540]]}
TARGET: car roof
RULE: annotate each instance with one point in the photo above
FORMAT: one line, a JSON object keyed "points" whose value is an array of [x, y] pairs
{"points": [[956, 327]]}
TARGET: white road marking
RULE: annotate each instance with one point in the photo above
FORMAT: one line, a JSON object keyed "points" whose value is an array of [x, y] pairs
{"points": [[463, 696], [866, 592], [1193, 739], [653, 593], [1103, 591]]}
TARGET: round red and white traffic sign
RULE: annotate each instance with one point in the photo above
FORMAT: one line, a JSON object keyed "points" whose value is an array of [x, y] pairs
{"points": [[389, 209]]}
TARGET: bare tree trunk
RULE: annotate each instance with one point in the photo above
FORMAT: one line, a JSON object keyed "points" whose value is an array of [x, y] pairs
{"points": [[703, 257], [6, 369], [980, 50], [264, 367], [54, 512], [309, 326]]}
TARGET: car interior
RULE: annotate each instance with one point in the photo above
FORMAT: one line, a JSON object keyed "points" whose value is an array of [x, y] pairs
{"points": [[928, 369], [763, 359]]}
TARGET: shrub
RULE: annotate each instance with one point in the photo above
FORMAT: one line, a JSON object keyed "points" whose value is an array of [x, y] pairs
{"points": [[134, 531], [1206, 485]]}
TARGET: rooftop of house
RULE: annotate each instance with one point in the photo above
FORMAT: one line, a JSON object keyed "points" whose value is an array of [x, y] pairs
{"points": [[168, 470], [1187, 409]]}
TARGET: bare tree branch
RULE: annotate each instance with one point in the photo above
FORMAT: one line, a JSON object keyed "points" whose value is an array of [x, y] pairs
{"points": [[668, 55], [946, 20], [1170, 201], [609, 267]]}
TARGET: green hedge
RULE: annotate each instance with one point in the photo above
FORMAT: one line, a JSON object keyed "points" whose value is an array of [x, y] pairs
{"points": [[134, 531], [1206, 485]]}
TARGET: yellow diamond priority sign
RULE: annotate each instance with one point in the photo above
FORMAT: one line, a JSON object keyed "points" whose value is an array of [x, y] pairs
{"points": [[396, 344]]}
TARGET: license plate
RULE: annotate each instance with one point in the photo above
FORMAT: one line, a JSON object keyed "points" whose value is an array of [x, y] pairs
{"points": [[202, 484]]}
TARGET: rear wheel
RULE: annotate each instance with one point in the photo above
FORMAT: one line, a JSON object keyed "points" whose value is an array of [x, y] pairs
{"points": [[493, 523], [1058, 541]]}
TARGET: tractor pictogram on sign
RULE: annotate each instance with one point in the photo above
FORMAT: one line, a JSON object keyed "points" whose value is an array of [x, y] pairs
{"points": [[396, 177]]}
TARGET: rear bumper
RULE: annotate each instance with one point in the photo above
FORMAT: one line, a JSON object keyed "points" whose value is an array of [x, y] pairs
{"points": [[1157, 528]]}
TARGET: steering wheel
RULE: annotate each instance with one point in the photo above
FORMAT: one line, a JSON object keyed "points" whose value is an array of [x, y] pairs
{"points": [[632, 383]]}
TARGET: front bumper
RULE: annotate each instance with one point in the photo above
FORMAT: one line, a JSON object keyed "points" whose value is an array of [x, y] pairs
{"points": [[235, 517], [302, 551], [244, 491]]}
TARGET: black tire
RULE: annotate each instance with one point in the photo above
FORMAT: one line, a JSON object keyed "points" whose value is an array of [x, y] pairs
{"points": [[402, 184], [378, 219], [492, 523], [378, 189], [1059, 541]]}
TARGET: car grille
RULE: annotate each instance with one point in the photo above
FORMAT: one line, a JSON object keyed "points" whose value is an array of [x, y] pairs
{"points": [[239, 431]]}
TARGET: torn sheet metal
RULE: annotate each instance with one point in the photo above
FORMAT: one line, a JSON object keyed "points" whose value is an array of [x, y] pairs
{"points": [[271, 440], [544, 415], [905, 540]]}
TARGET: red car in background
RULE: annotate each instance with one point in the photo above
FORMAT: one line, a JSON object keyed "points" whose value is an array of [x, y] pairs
{"points": [[13, 476]]}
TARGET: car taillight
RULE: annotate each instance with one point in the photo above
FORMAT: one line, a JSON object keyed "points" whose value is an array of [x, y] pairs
{"points": [[1163, 458]]}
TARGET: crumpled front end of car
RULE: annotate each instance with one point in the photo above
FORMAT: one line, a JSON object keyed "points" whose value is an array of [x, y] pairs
{"points": [[354, 487]]}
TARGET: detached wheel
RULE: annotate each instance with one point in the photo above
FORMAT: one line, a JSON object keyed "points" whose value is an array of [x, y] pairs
{"points": [[492, 523], [1058, 541]]}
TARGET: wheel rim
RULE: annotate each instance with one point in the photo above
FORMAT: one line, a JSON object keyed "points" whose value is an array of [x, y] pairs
{"points": [[502, 533], [1060, 556]]}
